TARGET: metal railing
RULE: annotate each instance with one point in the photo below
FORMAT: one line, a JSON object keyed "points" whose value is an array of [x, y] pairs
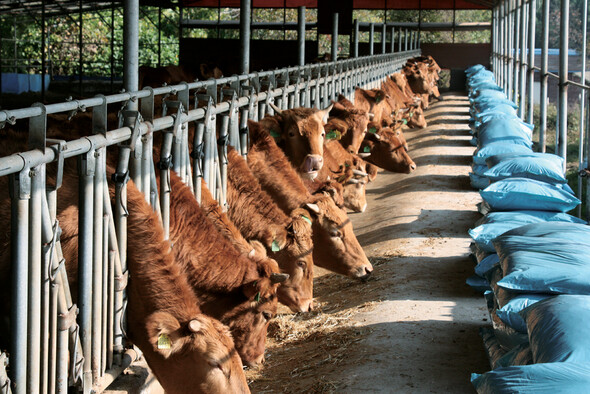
{"points": [[53, 346], [514, 27]]}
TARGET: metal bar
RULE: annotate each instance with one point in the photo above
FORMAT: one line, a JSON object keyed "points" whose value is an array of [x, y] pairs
{"points": [[301, 35], [334, 36], [517, 50], [43, 39], [97, 268], [563, 72], [355, 47], [392, 48], [245, 20], [544, 77], [80, 48], [131, 48], [581, 150], [523, 50], [106, 296], [406, 43], [371, 39], [531, 61], [383, 37], [20, 194]]}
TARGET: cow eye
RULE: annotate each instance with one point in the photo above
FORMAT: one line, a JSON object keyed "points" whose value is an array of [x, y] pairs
{"points": [[291, 134], [302, 265], [323, 134], [267, 315], [335, 234]]}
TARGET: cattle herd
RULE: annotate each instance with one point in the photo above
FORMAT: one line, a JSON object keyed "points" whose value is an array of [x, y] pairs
{"points": [[200, 300]]}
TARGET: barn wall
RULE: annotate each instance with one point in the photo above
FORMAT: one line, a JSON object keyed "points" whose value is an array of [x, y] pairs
{"points": [[265, 54]]}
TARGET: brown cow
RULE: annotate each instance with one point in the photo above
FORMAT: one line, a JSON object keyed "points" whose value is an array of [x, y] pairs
{"points": [[232, 288], [351, 122], [340, 251], [300, 133], [173, 75], [198, 353], [404, 107], [385, 149], [288, 239], [373, 101]]}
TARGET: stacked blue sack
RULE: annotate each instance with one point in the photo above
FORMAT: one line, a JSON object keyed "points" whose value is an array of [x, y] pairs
{"points": [[533, 259]]}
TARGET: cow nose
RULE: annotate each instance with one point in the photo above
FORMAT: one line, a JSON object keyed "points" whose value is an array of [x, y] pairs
{"points": [[412, 166]]}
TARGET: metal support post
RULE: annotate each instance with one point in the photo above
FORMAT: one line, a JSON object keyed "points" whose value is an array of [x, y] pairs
{"points": [[563, 76], [581, 157], [371, 38], [517, 49], [406, 40], [544, 77], [301, 35], [383, 37], [131, 48], [532, 27], [523, 57], [245, 26], [392, 48], [334, 36]]}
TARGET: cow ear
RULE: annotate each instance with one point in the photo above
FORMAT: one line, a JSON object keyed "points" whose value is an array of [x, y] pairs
{"points": [[164, 333], [272, 125], [325, 113]]}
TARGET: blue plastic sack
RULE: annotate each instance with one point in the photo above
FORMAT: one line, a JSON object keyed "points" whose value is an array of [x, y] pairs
{"points": [[572, 232], [497, 111], [511, 303], [543, 265], [558, 329], [520, 355], [495, 224], [513, 194], [496, 148], [478, 182], [527, 167], [503, 130], [478, 283], [474, 69], [479, 169], [550, 378], [493, 160], [486, 264], [507, 337]]}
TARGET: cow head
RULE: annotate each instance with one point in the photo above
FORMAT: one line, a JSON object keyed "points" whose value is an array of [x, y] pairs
{"points": [[418, 78], [414, 116], [296, 260], [300, 133], [249, 318], [336, 247], [386, 150], [373, 101], [352, 124], [354, 186], [199, 355]]}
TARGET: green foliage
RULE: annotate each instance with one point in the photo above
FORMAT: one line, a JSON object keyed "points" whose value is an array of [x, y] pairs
{"points": [[575, 28]]}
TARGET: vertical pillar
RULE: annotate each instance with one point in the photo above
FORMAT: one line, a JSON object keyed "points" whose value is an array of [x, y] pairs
{"points": [[563, 71], [406, 40], [355, 46], [531, 70], [392, 49], [301, 35], [160, 36], [43, 39], [131, 48], [582, 149], [516, 68], [383, 37], [523, 49], [399, 40], [371, 38], [544, 76], [80, 49], [245, 19], [334, 36]]}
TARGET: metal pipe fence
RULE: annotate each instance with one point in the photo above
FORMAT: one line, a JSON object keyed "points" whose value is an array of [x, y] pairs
{"points": [[514, 28], [60, 340]]}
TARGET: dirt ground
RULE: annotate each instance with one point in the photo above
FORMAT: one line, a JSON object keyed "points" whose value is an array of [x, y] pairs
{"points": [[413, 326]]}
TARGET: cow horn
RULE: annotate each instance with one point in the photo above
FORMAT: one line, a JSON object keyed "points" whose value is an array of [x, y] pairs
{"points": [[313, 207], [377, 136], [278, 278], [359, 173], [352, 181], [252, 253], [364, 154], [275, 108], [194, 326], [371, 115]]}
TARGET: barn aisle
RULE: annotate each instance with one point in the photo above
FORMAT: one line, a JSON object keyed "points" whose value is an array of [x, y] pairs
{"points": [[413, 327]]}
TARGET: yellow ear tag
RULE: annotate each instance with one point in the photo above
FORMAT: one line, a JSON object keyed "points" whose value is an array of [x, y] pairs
{"points": [[164, 341], [275, 246], [308, 220]]}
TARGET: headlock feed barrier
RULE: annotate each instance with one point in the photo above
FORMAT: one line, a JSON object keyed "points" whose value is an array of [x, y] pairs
{"points": [[56, 341]]}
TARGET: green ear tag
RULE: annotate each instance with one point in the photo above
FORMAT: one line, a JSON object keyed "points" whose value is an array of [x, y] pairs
{"points": [[164, 341], [405, 121], [346, 165], [275, 246], [372, 130], [308, 220], [274, 133], [333, 135], [367, 149], [257, 297], [377, 99], [411, 114]]}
